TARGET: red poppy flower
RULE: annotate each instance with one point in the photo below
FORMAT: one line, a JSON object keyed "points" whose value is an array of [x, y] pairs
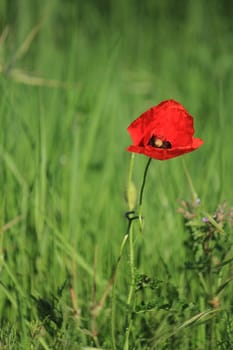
{"points": [[163, 132]]}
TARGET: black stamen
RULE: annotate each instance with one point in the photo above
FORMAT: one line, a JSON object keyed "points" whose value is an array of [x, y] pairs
{"points": [[166, 144], [152, 141]]}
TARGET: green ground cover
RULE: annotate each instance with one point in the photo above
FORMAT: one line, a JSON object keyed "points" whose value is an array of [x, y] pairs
{"points": [[64, 165]]}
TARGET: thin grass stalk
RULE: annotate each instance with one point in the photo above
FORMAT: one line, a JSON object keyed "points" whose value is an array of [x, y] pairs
{"points": [[189, 179]]}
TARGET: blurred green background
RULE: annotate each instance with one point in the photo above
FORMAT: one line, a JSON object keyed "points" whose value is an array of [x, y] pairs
{"points": [[74, 74]]}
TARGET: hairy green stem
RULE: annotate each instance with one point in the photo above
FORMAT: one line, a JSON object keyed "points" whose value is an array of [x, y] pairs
{"points": [[131, 255], [123, 243], [131, 290]]}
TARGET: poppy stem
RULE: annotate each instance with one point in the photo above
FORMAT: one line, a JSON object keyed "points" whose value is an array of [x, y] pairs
{"points": [[144, 181], [130, 299], [130, 216], [142, 191]]}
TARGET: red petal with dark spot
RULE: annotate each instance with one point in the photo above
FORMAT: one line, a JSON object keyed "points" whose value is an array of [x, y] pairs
{"points": [[169, 121]]}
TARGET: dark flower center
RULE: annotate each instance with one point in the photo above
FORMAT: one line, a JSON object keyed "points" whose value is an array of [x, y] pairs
{"points": [[159, 143]]}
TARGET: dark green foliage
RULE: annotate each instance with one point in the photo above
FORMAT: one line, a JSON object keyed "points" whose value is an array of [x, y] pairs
{"points": [[8, 337]]}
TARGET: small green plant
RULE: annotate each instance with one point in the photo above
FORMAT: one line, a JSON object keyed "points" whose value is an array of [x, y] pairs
{"points": [[208, 247], [208, 264]]}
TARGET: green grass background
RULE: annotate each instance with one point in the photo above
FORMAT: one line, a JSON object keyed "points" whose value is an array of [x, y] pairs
{"points": [[63, 159]]}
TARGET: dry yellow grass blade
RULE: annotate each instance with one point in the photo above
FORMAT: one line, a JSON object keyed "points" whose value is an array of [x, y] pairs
{"points": [[11, 223], [22, 50], [20, 76], [4, 35]]}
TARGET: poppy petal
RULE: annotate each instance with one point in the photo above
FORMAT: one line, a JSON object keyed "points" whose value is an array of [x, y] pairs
{"points": [[171, 123]]}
